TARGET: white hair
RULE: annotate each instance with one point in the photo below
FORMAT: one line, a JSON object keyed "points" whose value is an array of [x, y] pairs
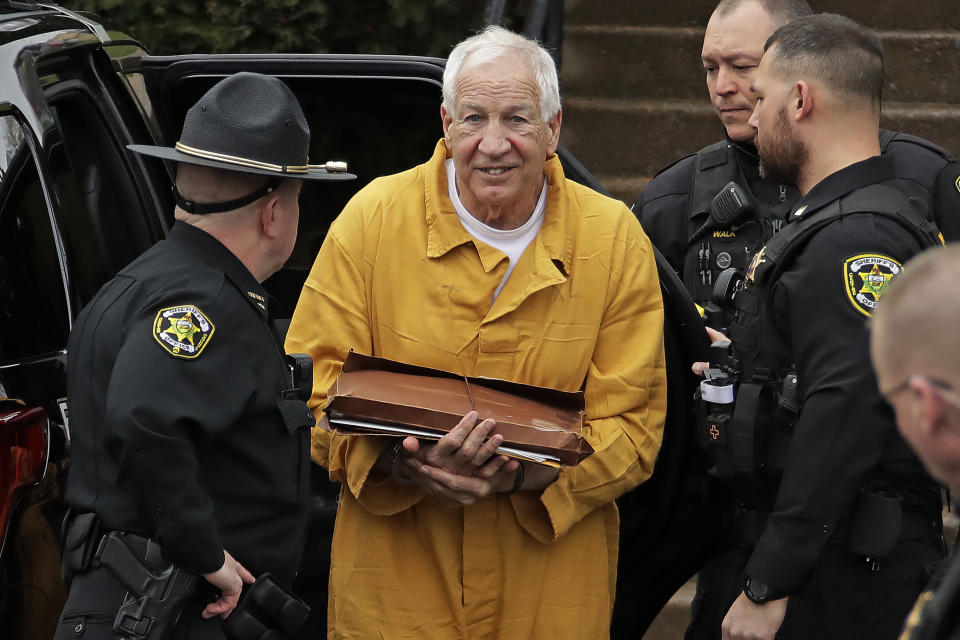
{"points": [[495, 42]]}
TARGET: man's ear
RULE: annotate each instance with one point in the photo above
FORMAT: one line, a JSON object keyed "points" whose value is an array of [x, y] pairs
{"points": [[268, 215], [447, 119], [554, 125], [928, 406], [803, 100]]}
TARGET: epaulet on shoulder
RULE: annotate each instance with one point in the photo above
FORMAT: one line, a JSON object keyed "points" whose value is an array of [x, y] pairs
{"points": [[908, 141], [672, 177]]}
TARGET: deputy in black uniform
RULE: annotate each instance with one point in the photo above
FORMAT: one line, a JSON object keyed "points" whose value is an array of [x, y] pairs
{"points": [[838, 521], [189, 444], [675, 206], [915, 352]]}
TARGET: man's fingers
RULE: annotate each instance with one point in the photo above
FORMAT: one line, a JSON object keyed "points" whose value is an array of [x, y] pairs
{"points": [[451, 497], [492, 467], [488, 450], [715, 335], [412, 446], [451, 441], [221, 607], [469, 451], [245, 575], [465, 489], [699, 367]]}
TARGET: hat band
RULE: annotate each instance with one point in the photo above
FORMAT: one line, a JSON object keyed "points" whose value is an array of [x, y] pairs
{"points": [[243, 162]]}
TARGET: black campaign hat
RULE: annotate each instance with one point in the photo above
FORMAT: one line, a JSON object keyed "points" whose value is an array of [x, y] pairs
{"points": [[251, 123]]}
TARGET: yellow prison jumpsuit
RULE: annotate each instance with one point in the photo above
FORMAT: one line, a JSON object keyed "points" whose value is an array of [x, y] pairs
{"points": [[398, 276]]}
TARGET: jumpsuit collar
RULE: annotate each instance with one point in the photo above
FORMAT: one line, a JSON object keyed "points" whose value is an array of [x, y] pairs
{"points": [[445, 231]]}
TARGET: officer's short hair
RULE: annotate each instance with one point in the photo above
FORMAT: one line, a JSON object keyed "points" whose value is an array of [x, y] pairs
{"points": [[490, 44], [780, 11], [833, 49], [207, 184]]}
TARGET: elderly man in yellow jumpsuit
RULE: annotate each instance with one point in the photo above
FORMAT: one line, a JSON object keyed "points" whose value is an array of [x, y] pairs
{"points": [[486, 261]]}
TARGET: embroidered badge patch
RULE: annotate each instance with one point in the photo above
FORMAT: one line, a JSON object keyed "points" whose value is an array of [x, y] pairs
{"points": [[182, 331], [866, 277]]}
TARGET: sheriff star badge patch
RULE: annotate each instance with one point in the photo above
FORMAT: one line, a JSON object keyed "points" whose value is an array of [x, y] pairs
{"points": [[182, 331], [866, 277]]}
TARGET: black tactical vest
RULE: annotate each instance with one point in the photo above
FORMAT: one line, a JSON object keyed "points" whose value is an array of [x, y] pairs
{"points": [[720, 249], [760, 422], [757, 343]]}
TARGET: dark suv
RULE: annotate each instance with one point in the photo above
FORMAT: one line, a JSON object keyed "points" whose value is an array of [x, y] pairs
{"points": [[76, 206]]}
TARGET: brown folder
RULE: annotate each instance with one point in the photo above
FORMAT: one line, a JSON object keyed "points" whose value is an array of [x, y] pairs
{"points": [[377, 396]]}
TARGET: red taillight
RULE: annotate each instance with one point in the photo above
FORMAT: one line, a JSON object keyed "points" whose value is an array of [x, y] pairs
{"points": [[23, 452]]}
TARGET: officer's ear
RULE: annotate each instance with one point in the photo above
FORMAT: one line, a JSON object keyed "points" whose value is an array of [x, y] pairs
{"points": [[268, 214], [928, 407], [802, 100]]}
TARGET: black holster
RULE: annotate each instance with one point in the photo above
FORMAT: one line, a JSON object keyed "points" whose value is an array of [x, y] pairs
{"points": [[267, 610], [156, 589]]}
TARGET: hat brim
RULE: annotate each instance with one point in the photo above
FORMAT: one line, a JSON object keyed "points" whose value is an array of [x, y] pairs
{"points": [[168, 153]]}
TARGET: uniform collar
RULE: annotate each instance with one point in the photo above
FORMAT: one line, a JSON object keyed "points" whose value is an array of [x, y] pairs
{"points": [[212, 252], [444, 230], [838, 184], [745, 149]]}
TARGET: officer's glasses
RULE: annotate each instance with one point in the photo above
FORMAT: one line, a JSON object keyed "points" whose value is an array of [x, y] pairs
{"points": [[944, 389]]}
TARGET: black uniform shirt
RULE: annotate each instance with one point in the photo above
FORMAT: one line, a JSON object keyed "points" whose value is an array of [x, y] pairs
{"points": [[845, 435], [664, 205], [935, 172], [178, 428]]}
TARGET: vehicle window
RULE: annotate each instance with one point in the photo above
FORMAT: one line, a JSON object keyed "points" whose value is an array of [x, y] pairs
{"points": [[34, 315], [102, 219], [380, 127]]}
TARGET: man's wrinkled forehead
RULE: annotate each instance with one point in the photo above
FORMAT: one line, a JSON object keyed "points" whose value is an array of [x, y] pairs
{"points": [[507, 77]]}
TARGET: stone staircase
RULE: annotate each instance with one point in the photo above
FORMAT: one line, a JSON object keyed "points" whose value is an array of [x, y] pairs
{"points": [[634, 92]]}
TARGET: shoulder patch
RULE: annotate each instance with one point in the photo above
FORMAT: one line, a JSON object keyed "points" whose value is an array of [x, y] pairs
{"points": [[182, 331], [866, 277]]}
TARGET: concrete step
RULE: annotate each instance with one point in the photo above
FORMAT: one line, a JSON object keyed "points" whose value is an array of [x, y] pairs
{"points": [[664, 62], [876, 14], [624, 142]]}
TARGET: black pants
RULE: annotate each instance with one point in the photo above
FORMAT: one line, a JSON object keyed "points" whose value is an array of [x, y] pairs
{"points": [[842, 599], [92, 605]]}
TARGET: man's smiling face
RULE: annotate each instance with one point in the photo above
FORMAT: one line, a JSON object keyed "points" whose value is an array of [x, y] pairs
{"points": [[499, 139]]}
